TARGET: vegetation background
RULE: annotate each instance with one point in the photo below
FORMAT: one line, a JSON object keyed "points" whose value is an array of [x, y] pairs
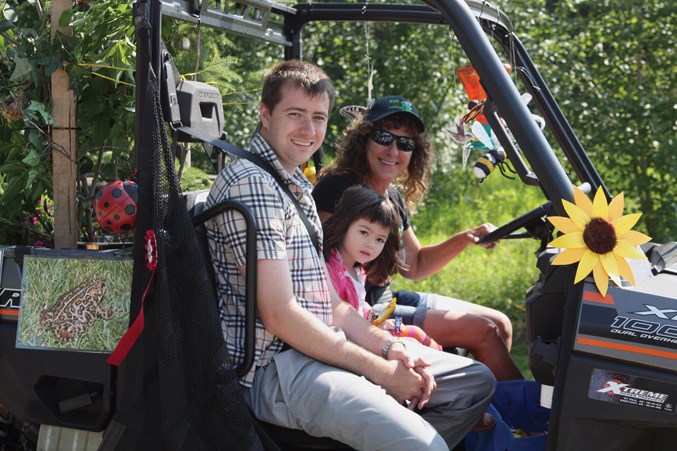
{"points": [[610, 64]]}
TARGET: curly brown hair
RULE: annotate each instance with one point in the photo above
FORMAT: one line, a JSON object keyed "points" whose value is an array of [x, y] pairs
{"points": [[351, 156], [361, 202]]}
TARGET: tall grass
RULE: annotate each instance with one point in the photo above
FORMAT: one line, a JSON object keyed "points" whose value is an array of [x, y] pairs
{"points": [[498, 277]]}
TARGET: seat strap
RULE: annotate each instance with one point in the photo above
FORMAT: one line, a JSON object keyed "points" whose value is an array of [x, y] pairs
{"points": [[263, 164]]}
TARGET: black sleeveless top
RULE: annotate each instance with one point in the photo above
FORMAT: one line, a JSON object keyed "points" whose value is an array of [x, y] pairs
{"points": [[330, 188]]}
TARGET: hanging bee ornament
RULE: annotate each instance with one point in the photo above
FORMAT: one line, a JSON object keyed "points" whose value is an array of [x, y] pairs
{"points": [[488, 162], [479, 135]]}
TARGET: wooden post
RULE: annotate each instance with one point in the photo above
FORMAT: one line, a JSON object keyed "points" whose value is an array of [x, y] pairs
{"points": [[64, 146]]}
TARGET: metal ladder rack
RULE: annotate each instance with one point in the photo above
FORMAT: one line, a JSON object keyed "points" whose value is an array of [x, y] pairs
{"points": [[256, 18]]}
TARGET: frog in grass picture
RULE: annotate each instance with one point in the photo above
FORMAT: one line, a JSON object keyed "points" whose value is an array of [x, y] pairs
{"points": [[79, 304]]}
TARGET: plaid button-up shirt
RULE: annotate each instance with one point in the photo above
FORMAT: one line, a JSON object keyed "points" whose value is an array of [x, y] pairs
{"points": [[280, 235]]}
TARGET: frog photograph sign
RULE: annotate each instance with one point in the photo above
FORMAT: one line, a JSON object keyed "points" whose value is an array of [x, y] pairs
{"points": [[76, 303]]}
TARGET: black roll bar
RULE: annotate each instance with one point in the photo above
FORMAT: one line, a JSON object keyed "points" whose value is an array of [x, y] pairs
{"points": [[504, 94], [470, 21], [250, 277]]}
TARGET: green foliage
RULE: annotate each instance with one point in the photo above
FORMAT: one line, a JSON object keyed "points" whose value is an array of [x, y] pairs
{"points": [[194, 179], [610, 64], [101, 67], [98, 58], [487, 277], [24, 116]]}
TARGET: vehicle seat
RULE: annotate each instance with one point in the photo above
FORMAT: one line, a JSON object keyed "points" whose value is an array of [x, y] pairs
{"points": [[286, 439]]}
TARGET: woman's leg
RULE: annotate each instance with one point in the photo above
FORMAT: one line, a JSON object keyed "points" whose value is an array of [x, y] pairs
{"points": [[478, 334], [500, 319], [486, 333]]}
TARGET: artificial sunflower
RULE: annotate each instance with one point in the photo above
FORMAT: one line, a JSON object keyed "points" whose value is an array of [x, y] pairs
{"points": [[599, 238]]}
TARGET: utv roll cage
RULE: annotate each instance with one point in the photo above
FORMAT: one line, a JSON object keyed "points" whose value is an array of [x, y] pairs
{"points": [[471, 21], [555, 308], [71, 389]]}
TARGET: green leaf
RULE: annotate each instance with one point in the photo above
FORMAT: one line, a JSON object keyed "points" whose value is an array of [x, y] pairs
{"points": [[36, 138], [22, 70], [50, 64], [32, 174], [39, 112], [13, 190], [12, 167], [5, 25], [33, 158], [65, 19]]}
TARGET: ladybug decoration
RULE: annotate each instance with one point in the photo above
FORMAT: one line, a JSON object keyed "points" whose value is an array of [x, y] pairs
{"points": [[115, 206]]}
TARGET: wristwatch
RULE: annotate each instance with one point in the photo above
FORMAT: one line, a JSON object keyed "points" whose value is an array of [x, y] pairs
{"points": [[386, 346]]}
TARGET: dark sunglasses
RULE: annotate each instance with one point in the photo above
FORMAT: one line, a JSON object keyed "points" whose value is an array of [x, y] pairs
{"points": [[384, 138]]}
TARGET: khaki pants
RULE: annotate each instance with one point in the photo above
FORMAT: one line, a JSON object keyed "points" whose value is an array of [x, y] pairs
{"points": [[297, 392]]}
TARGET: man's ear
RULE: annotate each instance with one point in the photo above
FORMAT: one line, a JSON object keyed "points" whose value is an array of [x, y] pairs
{"points": [[264, 115]]}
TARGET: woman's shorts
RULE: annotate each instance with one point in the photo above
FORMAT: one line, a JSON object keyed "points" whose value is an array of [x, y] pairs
{"points": [[411, 306]]}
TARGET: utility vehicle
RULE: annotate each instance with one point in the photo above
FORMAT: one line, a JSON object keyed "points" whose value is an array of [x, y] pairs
{"points": [[611, 360]]}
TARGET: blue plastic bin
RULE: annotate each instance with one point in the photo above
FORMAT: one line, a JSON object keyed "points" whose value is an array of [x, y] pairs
{"points": [[516, 405]]}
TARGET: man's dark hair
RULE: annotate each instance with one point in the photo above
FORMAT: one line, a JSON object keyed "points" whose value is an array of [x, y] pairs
{"points": [[297, 73]]}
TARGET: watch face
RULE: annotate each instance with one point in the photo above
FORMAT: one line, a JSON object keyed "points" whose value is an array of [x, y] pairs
{"points": [[385, 313]]}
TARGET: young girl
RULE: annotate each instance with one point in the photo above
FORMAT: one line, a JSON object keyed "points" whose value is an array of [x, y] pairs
{"points": [[362, 239]]}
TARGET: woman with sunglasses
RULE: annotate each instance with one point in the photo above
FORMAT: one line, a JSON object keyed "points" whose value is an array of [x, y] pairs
{"points": [[386, 149]]}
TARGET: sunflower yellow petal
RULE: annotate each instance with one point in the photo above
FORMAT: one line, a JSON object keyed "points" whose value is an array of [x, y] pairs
{"points": [[582, 201], [634, 238], [624, 270], [626, 250], [609, 262], [564, 224], [616, 207], [588, 261], [568, 256], [625, 223], [601, 279], [576, 214], [570, 240], [616, 279], [600, 209]]}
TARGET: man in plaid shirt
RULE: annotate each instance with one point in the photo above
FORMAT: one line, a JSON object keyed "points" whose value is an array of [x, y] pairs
{"points": [[318, 365]]}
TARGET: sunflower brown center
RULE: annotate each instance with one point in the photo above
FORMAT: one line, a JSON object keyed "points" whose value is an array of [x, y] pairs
{"points": [[600, 236]]}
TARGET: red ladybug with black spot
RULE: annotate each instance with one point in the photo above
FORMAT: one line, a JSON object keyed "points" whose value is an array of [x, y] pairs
{"points": [[115, 206]]}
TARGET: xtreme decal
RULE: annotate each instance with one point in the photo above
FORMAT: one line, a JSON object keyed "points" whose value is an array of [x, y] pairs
{"points": [[618, 388]]}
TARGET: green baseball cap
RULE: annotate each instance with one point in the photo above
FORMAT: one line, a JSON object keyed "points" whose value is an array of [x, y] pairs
{"points": [[389, 105]]}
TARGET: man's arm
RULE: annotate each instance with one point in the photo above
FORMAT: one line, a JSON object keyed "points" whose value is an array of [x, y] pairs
{"points": [[373, 338], [284, 318]]}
